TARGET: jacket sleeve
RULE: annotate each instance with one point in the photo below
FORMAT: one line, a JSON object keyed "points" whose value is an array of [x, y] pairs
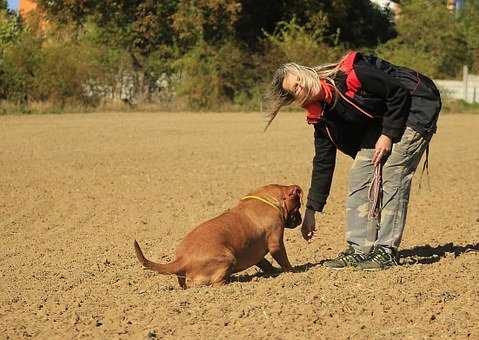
{"points": [[397, 98], [323, 167]]}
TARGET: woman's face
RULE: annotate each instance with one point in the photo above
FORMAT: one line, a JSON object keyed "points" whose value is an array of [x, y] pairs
{"points": [[294, 84]]}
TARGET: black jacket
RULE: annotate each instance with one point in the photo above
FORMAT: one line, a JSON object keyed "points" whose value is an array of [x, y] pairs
{"points": [[395, 96]]}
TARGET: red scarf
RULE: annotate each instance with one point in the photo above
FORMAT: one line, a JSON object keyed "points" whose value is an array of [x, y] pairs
{"points": [[315, 110]]}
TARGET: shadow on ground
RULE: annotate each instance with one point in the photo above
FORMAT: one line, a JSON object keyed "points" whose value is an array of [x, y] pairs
{"points": [[426, 254], [252, 277]]}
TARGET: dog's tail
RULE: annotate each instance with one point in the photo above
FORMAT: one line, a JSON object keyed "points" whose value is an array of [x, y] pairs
{"points": [[167, 268]]}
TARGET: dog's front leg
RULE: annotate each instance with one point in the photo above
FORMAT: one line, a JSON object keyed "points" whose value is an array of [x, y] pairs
{"points": [[277, 250], [265, 266]]}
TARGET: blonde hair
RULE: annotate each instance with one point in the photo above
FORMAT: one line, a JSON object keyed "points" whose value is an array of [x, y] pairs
{"points": [[308, 76]]}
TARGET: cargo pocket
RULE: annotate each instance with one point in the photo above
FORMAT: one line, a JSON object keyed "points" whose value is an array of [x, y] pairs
{"points": [[361, 172], [405, 149]]}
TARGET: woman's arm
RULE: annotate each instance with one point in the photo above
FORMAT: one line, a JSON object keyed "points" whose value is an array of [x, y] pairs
{"points": [[323, 167]]}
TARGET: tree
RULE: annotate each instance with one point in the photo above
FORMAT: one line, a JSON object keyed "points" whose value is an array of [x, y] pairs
{"points": [[292, 42], [9, 25], [469, 25], [206, 51], [357, 23], [137, 27], [210, 21], [430, 41]]}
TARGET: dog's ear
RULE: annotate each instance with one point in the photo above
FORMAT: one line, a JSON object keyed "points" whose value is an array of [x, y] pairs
{"points": [[295, 191]]}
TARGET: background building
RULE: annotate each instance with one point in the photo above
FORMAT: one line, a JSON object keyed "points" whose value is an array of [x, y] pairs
{"points": [[26, 6]]}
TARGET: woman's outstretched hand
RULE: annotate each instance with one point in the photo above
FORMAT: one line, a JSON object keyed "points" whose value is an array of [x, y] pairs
{"points": [[382, 149], [308, 227]]}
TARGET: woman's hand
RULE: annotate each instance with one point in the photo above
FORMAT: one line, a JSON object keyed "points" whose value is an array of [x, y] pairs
{"points": [[309, 224], [383, 148]]}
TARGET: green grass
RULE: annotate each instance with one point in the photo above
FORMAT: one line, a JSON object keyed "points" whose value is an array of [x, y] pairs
{"points": [[459, 106], [8, 108]]}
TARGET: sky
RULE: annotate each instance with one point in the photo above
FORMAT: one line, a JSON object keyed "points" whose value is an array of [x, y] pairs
{"points": [[13, 4]]}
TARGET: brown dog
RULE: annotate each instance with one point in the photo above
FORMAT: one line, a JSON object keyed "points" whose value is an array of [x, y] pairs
{"points": [[237, 239]]}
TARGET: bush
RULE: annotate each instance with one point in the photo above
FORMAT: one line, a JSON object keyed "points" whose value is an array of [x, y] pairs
{"points": [[64, 74], [20, 63], [37, 69], [211, 77], [293, 43], [429, 41], [469, 25]]}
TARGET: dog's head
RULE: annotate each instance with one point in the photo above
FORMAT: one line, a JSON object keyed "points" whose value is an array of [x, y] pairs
{"points": [[292, 198], [286, 198]]}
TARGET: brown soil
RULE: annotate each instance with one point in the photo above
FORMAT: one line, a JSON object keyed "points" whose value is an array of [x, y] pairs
{"points": [[75, 190]]}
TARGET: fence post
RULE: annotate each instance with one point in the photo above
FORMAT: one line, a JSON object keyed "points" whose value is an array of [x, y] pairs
{"points": [[465, 77]]}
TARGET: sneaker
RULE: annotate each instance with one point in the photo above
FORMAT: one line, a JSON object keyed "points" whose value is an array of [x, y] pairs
{"points": [[347, 258], [380, 258]]}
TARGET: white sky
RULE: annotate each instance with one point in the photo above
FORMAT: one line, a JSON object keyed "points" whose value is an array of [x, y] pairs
{"points": [[13, 4]]}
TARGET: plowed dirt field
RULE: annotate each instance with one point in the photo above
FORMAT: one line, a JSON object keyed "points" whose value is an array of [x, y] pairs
{"points": [[77, 189]]}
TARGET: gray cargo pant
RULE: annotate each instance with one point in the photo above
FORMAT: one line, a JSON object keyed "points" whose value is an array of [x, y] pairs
{"points": [[364, 234]]}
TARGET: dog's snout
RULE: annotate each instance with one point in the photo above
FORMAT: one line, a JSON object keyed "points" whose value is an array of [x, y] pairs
{"points": [[294, 220]]}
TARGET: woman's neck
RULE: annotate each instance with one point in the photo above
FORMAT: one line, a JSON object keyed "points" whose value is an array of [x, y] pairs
{"points": [[322, 93]]}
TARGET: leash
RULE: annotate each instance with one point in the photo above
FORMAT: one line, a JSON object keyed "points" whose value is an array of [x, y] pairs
{"points": [[364, 112], [375, 190], [425, 167], [375, 194]]}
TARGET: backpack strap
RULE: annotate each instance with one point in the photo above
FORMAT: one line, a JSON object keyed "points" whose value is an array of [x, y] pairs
{"points": [[347, 66]]}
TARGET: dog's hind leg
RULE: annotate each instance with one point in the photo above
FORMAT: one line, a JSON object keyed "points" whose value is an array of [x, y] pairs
{"points": [[218, 283], [221, 276], [212, 270], [221, 271]]}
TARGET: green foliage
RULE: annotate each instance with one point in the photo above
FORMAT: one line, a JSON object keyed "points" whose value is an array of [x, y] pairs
{"points": [[292, 42], [9, 27], [20, 62], [460, 106], [210, 21], [358, 23], [211, 76], [64, 74], [212, 54], [430, 41], [35, 69], [139, 27], [469, 25]]}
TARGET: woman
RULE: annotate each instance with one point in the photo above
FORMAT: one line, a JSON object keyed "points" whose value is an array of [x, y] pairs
{"points": [[383, 116]]}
